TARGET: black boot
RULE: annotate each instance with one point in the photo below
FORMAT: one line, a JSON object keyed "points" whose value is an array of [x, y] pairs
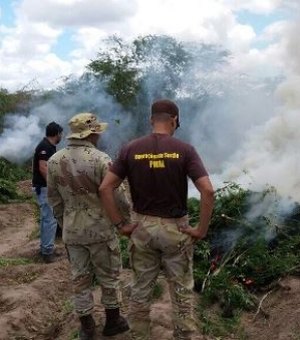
{"points": [[87, 327], [48, 258], [115, 323]]}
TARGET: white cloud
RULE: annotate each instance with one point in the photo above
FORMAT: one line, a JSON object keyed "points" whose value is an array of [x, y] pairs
{"points": [[87, 40], [194, 19], [27, 40], [78, 13], [257, 6], [43, 70], [213, 23], [259, 63], [23, 49], [274, 31], [240, 38], [39, 24]]}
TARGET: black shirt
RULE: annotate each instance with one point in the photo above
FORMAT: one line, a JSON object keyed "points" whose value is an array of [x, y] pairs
{"points": [[43, 152]]}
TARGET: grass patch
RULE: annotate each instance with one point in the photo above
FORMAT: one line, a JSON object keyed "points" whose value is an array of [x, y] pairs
{"points": [[7, 262], [124, 251], [68, 307], [35, 234], [158, 291], [296, 335], [36, 210], [219, 327], [74, 335], [27, 277]]}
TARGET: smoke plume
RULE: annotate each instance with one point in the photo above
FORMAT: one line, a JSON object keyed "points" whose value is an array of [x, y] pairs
{"points": [[270, 152], [22, 132]]}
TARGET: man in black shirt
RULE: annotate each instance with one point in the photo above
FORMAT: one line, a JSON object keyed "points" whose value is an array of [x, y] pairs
{"points": [[45, 149]]}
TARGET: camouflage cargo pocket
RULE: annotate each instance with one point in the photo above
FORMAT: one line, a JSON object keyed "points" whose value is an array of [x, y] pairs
{"points": [[114, 253]]}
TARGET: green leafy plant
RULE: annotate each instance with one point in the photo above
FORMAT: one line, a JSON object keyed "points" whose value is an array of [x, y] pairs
{"points": [[8, 191], [10, 174], [124, 251], [68, 307], [158, 290]]}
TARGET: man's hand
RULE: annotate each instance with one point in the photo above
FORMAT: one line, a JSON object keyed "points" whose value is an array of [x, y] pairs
{"points": [[196, 233], [127, 229]]}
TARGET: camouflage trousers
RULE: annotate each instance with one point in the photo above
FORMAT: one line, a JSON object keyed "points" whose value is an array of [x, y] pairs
{"points": [[157, 244], [101, 261]]}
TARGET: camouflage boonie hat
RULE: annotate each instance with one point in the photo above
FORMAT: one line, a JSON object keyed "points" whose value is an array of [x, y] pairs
{"points": [[84, 124]]}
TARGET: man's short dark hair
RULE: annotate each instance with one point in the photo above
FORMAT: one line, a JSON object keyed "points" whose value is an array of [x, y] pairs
{"points": [[53, 129], [165, 106]]}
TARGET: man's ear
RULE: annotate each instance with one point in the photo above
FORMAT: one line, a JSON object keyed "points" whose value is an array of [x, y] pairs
{"points": [[177, 122], [174, 122]]}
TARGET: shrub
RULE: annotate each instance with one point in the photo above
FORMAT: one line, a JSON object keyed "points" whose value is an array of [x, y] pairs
{"points": [[7, 191]]}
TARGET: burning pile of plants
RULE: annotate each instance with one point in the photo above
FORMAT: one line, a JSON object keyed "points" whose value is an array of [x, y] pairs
{"points": [[253, 242]]}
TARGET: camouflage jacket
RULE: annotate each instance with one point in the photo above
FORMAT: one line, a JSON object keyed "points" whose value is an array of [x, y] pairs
{"points": [[74, 175]]}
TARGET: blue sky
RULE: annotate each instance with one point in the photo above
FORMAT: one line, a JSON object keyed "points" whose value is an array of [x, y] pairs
{"points": [[49, 39], [259, 21], [7, 14], [64, 44]]}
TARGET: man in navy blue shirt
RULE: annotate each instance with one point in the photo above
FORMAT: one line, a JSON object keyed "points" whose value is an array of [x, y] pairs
{"points": [[45, 149]]}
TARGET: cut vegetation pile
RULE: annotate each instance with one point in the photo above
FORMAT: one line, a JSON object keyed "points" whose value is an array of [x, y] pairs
{"points": [[253, 243]]}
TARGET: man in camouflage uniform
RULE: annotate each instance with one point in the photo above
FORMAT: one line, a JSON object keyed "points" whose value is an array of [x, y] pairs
{"points": [[74, 175], [157, 167]]}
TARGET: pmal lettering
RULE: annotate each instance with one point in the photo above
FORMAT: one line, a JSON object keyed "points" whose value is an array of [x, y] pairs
{"points": [[157, 164]]}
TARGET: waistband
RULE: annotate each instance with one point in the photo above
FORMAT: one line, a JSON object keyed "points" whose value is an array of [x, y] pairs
{"points": [[180, 221]]}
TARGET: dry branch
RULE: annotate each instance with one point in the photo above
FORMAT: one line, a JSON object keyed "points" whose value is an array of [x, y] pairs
{"points": [[260, 309]]}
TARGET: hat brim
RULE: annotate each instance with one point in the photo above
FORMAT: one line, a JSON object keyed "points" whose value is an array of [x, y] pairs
{"points": [[83, 134]]}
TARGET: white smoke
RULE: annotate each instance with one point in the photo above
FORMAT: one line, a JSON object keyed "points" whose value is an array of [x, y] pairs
{"points": [[239, 104], [19, 137], [22, 132], [270, 152]]}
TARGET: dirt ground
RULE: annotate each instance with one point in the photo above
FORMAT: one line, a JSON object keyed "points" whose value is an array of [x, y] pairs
{"points": [[36, 298]]}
